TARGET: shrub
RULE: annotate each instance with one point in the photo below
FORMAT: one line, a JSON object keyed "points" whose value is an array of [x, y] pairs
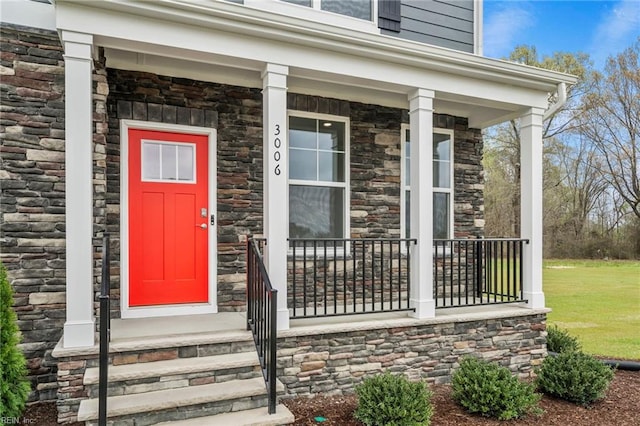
{"points": [[559, 340], [14, 389], [492, 391], [574, 376], [393, 400]]}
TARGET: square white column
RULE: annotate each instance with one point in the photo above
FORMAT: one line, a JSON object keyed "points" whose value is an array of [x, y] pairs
{"points": [[531, 205], [275, 169], [421, 207], [79, 326]]}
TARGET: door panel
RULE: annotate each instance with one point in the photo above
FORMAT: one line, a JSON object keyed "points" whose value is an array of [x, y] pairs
{"points": [[168, 190]]}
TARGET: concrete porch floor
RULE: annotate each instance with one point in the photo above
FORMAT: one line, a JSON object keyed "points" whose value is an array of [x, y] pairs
{"points": [[130, 330], [136, 328]]}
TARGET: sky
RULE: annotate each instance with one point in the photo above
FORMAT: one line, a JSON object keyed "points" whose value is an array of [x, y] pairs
{"points": [[600, 28]]}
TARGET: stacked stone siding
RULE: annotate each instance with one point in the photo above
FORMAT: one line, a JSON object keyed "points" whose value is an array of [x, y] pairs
{"points": [[32, 220], [334, 362], [236, 113], [33, 199]]}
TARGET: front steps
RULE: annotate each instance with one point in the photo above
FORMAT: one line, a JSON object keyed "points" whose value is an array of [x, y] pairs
{"points": [[204, 379]]}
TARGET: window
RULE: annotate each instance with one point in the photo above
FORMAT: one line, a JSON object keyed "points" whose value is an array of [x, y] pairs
{"points": [[168, 162], [442, 165], [361, 9], [318, 171]]}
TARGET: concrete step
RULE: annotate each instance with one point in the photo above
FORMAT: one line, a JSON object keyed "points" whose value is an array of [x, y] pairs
{"points": [[176, 373], [170, 405], [255, 417]]}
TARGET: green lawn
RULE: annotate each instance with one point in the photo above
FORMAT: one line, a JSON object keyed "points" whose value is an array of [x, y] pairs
{"points": [[597, 301]]}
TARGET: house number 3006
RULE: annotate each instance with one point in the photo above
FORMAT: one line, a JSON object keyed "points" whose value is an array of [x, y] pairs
{"points": [[277, 144]]}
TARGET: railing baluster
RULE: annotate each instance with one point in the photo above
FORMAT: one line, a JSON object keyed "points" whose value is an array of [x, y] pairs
{"points": [[324, 275], [382, 275]]}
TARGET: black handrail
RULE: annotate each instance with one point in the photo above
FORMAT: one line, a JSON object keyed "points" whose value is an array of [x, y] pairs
{"points": [[262, 307], [485, 271], [349, 276], [105, 330]]}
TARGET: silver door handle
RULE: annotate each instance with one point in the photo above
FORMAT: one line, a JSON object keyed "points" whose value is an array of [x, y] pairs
{"points": [[203, 225]]}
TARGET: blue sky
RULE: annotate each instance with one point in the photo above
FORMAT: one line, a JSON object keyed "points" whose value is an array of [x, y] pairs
{"points": [[599, 28]]}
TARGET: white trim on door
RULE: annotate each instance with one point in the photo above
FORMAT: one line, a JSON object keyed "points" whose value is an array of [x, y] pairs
{"points": [[166, 310]]}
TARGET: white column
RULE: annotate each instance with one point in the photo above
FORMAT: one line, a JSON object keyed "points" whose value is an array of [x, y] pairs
{"points": [[79, 326], [531, 205], [276, 163], [421, 159]]}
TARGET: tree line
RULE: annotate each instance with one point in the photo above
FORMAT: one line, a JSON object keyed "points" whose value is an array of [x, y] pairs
{"points": [[591, 161]]}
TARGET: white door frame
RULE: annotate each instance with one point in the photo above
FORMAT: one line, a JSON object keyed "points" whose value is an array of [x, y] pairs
{"points": [[211, 306]]}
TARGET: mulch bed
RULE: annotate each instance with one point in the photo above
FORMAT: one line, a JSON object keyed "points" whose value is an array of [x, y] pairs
{"points": [[621, 407]]}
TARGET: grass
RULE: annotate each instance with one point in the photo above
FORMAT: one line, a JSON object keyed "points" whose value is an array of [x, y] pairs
{"points": [[598, 302]]}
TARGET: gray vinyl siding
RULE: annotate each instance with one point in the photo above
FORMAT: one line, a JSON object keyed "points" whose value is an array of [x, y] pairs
{"points": [[445, 23]]}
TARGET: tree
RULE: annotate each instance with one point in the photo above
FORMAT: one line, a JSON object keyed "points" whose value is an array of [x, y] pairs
{"points": [[611, 121], [14, 389], [503, 141]]}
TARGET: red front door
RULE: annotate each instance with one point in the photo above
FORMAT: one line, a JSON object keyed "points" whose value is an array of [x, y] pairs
{"points": [[168, 218]]}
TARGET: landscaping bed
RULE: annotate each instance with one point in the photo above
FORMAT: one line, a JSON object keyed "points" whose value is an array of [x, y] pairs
{"points": [[621, 407]]}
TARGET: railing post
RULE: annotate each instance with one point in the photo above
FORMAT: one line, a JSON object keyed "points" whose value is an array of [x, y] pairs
{"points": [[273, 350], [105, 331]]}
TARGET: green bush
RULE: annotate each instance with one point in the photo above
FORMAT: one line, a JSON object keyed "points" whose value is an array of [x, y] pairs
{"points": [[394, 401], [559, 340], [492, 391], [574, 376], [14, 389]]}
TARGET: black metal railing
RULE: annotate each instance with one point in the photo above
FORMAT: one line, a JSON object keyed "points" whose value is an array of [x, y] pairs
{"points": [[329, 277], [105, 330], [262, 306], [477, 272]]}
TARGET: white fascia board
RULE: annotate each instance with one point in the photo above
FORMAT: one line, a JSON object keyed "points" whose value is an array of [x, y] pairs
{"points": [[248, 22], [130, 32], [28, 13]]}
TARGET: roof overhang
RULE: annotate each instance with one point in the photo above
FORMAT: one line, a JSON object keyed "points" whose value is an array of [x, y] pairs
{"points": [[229, 43]]}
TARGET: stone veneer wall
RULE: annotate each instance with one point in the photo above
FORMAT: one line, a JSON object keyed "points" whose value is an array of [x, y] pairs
{"points": [[32, 220], [32, 173], [236, 112], [332, 360]]}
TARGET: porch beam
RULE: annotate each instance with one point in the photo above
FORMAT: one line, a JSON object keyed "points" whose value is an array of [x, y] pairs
{"points": [[531, 205], [79, 326], [421, 207], [276, 204]]}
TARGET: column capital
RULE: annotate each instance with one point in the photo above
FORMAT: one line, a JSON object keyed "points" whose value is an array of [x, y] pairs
{"points": [[77, 45], [533, 117], [421, 99], [275, 76]]}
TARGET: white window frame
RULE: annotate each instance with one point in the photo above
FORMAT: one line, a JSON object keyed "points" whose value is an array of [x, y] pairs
{"points": [[323, 184], [316, 14], [404, 187]]}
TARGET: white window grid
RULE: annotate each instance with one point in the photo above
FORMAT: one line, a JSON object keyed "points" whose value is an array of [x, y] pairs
{"points": [[192, 180]]}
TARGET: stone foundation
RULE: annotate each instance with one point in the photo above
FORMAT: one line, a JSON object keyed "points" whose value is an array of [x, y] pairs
{"points": [[334, 361]]}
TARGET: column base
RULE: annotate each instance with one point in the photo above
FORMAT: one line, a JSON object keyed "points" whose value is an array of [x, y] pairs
{"points": [[79, 334], [535, 300], [423, 308], [283, 319]]}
